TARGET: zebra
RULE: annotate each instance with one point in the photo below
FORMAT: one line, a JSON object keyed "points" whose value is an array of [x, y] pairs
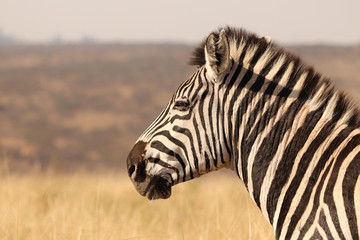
{"points": [[290, 135]]}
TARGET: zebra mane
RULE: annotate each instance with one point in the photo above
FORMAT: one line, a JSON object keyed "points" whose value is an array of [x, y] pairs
{"points": [[243, 43]]}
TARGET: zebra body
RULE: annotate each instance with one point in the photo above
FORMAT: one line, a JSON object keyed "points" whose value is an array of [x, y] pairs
{"points": [[292, 138]]}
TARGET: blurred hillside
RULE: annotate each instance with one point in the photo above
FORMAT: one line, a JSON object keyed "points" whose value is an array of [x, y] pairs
{"points": [[70, 107]]}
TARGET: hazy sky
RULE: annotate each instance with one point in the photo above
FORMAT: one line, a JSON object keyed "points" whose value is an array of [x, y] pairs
{"points": [[306, 21]]}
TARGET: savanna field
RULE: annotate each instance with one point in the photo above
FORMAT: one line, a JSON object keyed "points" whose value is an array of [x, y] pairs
{"points": [[70, 114], [96, 207]]}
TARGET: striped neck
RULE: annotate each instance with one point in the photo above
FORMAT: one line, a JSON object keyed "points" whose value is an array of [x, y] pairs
{"points": [[278, 113]]}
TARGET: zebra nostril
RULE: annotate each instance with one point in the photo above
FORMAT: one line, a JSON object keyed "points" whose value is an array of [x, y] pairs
{"points": [[131, 170]]}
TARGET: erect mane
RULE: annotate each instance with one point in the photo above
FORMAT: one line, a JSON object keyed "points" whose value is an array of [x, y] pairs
{"points": [[234, 36], [242, 42]]}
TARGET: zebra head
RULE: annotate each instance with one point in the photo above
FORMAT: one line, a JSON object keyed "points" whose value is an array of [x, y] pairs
{"points": [[187, 139]]}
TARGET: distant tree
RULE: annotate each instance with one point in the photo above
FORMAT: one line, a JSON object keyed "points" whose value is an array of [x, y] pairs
{"points": [[87, 39], [6, 39], [57, 39]]}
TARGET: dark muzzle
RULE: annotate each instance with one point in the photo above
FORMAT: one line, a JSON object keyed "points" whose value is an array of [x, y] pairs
{"points": [[153, 187]]}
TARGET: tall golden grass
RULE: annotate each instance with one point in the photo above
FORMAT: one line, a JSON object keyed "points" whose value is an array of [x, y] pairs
{"points": [[89, 206]]}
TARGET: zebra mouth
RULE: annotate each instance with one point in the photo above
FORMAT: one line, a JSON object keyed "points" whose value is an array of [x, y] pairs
{"points": [[158, 188]]}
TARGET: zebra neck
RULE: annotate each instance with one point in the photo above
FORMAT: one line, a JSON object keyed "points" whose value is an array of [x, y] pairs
{"points": [[271, 134], [254, 104]]}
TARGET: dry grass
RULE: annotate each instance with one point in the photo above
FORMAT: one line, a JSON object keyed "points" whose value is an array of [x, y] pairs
{"points": [[89, 206]]}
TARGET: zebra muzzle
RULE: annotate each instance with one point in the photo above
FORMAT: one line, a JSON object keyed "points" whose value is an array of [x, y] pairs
{"points": [[153, 187], [158, 188]]}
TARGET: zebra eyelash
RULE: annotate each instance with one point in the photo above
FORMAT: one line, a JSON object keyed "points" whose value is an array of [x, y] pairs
{"points": [[181, 105]]}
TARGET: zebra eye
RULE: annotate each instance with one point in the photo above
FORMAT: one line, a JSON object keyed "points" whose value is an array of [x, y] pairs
{"points": [[181, 105]]}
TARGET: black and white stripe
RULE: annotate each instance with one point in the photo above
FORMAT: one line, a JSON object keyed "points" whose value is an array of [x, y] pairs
{"points": [[292, 138]]}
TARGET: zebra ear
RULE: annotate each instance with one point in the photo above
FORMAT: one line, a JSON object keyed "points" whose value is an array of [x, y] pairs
{"points": [[217, 54], [267, 39]]}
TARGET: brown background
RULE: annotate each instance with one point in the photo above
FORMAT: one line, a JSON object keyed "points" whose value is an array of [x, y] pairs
{"points": [[72, 107]]}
